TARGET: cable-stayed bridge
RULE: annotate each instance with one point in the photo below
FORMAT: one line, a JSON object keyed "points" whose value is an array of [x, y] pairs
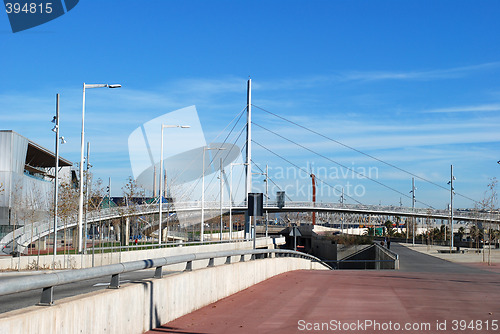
{"points": [[191, 211]]}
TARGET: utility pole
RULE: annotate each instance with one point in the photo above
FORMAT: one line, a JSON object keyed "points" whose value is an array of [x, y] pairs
{"points": [[413, 206], [86, 197], [267, 200], [56, 183], [451, 208], [221, 197], [154, 181]]}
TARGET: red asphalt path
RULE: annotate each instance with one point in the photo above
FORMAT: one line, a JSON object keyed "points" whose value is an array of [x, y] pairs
{"points": [[296, 301]]}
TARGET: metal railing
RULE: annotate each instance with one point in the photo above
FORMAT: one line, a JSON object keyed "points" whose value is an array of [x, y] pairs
{"points": [[26, 234], [47, 282]]}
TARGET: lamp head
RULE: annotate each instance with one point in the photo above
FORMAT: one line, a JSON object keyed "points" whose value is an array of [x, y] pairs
{"points": [[62, 140], [54, 119], [114, 86], [54, 128]]}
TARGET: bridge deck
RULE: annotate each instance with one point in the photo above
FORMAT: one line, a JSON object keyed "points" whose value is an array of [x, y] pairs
{"points": [[425, 290]]}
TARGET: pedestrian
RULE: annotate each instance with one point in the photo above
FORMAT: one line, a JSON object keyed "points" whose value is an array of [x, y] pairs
{"points": [[389, 243]]}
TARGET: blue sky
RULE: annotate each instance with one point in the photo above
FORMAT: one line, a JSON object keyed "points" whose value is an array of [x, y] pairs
{"points": [[414, 83]]}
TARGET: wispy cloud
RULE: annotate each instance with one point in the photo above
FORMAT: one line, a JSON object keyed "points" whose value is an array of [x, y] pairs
{"points": [[368, 76], [470, 108], [454, 72]]}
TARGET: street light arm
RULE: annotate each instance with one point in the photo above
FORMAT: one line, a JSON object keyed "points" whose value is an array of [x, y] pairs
{"points": [[102, 85]]}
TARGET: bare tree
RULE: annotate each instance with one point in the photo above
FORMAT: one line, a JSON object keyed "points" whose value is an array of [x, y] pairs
{"points": [[133, 196], [489, 205], [67, 209]]}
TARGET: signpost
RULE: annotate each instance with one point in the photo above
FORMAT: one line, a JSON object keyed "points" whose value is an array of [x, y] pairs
{"points": [[255, 208], [295, 232]]}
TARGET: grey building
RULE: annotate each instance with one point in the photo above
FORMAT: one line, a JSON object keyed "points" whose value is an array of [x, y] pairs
{"points": [[26, 181]]}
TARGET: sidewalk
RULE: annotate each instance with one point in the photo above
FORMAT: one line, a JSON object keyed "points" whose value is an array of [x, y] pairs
{"points": [[428, 295], [469, 256]]}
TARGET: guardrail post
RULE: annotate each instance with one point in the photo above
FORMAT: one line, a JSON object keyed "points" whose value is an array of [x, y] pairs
{"points": [[228, 260], [47, 296], [115, 282], [189, 266], [211, 262], [158, 272]]}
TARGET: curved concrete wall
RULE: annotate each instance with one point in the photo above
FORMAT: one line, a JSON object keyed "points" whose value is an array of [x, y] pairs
{"points": [[85, 261], [138, 307]]}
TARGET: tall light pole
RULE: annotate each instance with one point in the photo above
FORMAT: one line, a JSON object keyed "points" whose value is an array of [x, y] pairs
{"points": [[413, 206], [163, 126], [88, 166], [267, 200], [56, 175], [266, 174], [80, 202], [221, 197], [202, 230], [231, 199], [452, 178]]}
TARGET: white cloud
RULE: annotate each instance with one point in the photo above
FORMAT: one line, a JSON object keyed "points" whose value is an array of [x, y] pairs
{"points": [[470, 108]]}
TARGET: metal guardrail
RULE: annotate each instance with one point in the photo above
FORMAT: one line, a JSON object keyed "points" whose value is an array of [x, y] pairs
{"points": [[390, 257], [47, 282], [338, 262], [140, 246]]}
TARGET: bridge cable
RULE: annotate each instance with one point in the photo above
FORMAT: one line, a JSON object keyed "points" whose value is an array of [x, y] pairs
{"points": [[271, 180], [227, 154], [303, 170], [238, 117], [363, 153], [341, 165]]}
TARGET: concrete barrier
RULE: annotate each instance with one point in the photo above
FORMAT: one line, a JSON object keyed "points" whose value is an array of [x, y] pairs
{"points": [[85, 261], [139, 307]]}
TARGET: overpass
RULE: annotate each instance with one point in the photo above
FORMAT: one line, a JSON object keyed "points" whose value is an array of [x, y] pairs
{"points": [[191, 212]]}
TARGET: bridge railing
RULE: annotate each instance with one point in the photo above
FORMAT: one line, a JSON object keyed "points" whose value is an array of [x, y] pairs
{"points": [[25, 234], [47, 282]]}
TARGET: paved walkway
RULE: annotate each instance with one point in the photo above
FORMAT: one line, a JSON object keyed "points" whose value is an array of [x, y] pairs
{"points": [[426, 293]]}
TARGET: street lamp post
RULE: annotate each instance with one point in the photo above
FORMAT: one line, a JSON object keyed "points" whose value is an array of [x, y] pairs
{"points": [[452, 178], [266, 174], [56, 176], [413, 207], [231, 199], [80, 202], [221, 198], [202, 230], [86, 207], [163, 126]]}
